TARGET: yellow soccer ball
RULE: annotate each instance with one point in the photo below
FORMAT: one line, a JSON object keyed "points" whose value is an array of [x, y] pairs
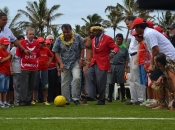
{"points": [[60, 101]]}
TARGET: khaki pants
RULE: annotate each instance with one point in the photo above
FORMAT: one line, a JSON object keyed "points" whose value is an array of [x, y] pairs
{"points": [[75, 84], [138, 92]]}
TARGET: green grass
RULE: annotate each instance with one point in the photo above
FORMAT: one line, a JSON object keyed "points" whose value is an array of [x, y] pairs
{"points": [[19, 118]]}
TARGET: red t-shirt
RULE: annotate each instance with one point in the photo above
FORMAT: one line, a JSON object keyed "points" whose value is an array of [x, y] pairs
{"points": [[5, 66], [53, 63], [144, 56], [142, 50], [29, 62], [44, 58]]}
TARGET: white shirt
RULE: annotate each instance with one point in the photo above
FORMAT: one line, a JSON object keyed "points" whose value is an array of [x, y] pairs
{"points": [[133, 46], [154, 38], [15, 61], [8, 34]]}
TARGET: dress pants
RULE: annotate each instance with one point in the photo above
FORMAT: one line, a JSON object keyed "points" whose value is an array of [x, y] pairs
{"points": [[96, 79]]}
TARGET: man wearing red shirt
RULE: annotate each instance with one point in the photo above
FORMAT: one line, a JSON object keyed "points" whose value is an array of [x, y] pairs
{"points": [[96, 75], [29, 66], [42, 75], [4, 71]]}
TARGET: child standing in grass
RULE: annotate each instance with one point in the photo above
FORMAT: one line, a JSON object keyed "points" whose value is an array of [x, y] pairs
{"points": [[143, 59], [4, 71], [42, 74]]}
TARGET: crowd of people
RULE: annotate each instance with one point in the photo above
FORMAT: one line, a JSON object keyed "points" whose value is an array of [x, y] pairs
{"points": [[39, 69]]}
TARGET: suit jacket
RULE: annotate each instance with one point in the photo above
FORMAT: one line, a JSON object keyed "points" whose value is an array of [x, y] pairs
{"points": [[102, 51]]}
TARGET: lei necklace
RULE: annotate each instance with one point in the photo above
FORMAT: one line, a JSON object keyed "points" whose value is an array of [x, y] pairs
{"points": [[67, 43]]}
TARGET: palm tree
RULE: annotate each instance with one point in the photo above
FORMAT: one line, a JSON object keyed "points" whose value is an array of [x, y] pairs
{"points": [[114, 21], [55, 31], [13, 24], [36, 13], [129, 7], [50, 17], [40, 17], [166, 20], [95, 19], [82, 30]]}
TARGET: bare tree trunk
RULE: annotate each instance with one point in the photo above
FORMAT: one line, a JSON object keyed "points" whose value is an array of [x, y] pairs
{"points": [[126, 36], [114, 35]]}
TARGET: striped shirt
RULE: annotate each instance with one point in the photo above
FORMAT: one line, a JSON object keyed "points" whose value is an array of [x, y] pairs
{"points": [[153, 38]]}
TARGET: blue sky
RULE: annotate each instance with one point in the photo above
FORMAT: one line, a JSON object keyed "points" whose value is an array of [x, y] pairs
{"points": [[73, 10]]}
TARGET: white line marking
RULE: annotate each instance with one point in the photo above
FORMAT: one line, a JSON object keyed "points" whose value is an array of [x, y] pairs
{"points": [[84, 118]]}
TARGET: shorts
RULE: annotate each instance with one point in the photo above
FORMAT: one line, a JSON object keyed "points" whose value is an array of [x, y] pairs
{"points": [[4, 83], [117, 74], [142, 75], [42, 79]]}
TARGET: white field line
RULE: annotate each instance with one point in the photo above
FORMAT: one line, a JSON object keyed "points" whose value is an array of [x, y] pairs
{"points": [[83, 118]]}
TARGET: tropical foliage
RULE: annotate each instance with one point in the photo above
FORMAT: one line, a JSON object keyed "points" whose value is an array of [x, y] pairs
{"points": [[165, 20], [40, 17], [13, 23], [129, 7]]}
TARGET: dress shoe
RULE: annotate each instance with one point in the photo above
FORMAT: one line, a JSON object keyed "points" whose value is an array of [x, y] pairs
{"points": [[77, 102], [109, 100], [87, 97], [84, 102], [100, 103], [129, 103], [123, 100], [22, 104], [67, 103]]}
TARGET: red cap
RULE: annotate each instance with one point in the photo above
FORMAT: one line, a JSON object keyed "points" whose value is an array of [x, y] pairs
{"points": [[135, 33], [48, 42], [136, 22], [159, 29], [40, 39], [150, 23], [165, 35], [4, 41]]}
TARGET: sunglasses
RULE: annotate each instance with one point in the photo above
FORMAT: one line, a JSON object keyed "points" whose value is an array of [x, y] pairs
{"points": [[51, 39]]}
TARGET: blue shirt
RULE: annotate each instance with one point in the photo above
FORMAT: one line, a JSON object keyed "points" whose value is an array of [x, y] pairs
{"points": [[69, 55]]}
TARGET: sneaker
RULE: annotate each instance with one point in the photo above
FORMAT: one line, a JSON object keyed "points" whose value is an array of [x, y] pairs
{"points": [[46, 103], [16, 104], [145, 102], [2, 105], [76, 102], [33, 102], [152, 105], [7, 105]]}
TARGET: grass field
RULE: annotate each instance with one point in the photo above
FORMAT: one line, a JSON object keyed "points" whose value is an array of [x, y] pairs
{"points": [[112, 116]]}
